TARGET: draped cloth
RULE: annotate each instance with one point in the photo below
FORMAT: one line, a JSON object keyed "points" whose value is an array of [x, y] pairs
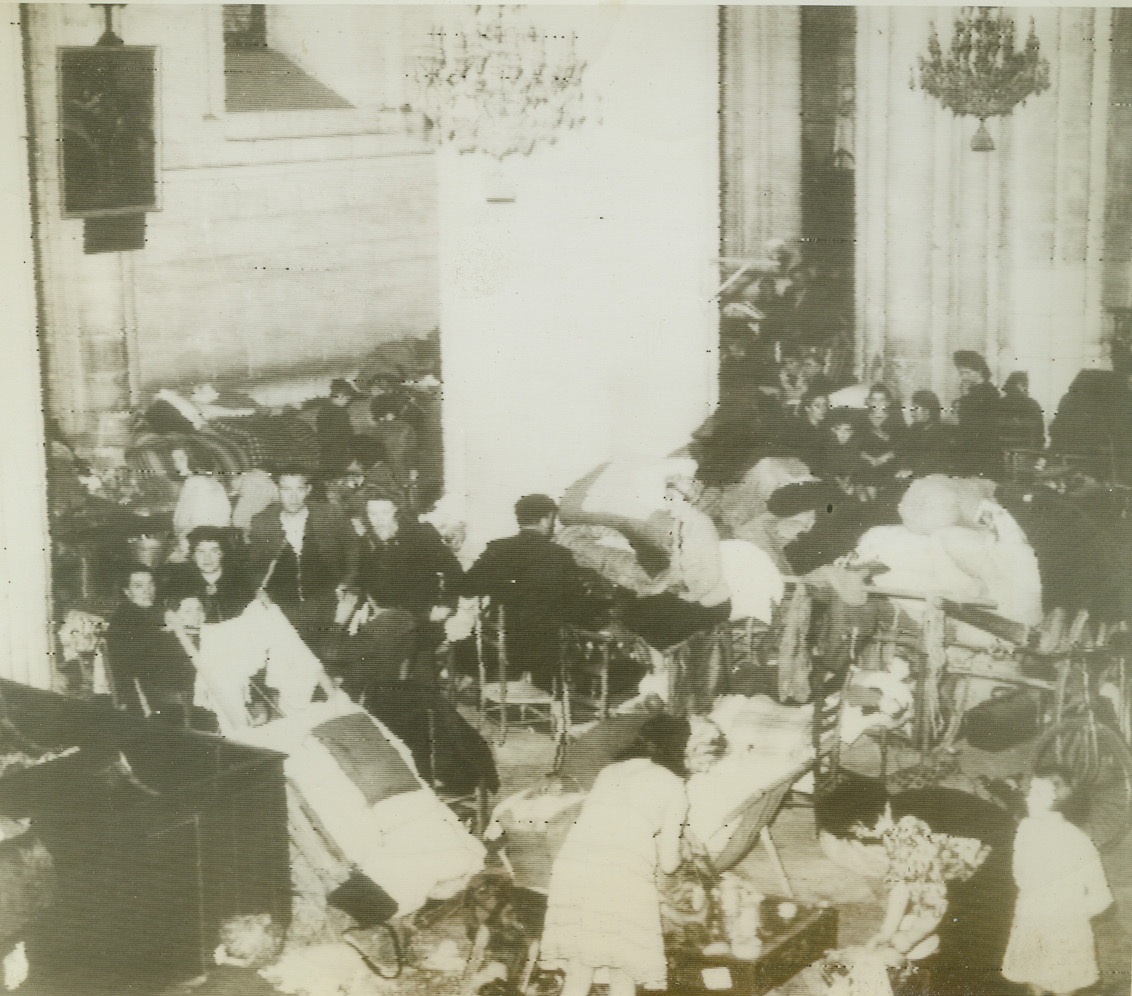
{"points": [[232, 652], [350, 770], [698, 670]]}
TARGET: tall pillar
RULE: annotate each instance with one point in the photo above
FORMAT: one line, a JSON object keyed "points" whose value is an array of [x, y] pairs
{"points": [[86, 298], [990, 251], [762, 126], [577, 320], [24, 543]]}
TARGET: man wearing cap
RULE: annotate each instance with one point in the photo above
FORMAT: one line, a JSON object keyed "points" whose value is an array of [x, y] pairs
{"points": [[978, 410], [536, 581]]}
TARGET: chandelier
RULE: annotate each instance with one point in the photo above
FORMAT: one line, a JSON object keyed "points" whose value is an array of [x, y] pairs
{"points": [[500, 87], [983, 75]]}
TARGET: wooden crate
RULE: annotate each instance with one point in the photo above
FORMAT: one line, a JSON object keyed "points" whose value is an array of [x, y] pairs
{"points": [[811, 934]]}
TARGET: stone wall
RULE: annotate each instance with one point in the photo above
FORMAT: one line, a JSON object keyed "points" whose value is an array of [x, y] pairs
{"points": [[285, 240]]}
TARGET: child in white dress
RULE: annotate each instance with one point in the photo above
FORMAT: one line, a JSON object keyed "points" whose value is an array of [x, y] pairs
{"points": [[1061, 887]]}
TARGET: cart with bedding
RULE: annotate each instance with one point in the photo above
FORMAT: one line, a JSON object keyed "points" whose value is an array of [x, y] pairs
{"points": [[358, 809]]}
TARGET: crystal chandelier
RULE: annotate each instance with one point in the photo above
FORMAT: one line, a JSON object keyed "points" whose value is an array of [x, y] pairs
{"points": [[982, 75], [500, 87]]}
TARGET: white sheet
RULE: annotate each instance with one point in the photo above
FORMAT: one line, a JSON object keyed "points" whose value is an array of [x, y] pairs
{"points": [[232, 652], [756, 584], [766, 741], [411, 844]]}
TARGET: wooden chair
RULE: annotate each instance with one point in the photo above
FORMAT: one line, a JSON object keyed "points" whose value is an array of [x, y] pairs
{"points": [[587, 658], [498, 699], [828, 702], [747, 654]]}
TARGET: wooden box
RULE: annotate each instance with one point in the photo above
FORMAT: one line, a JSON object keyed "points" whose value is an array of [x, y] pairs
{"points": [[810, 935], [144, 877]]}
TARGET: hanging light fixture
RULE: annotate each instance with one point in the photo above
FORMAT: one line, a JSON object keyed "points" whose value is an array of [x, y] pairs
{"points": [[500, 87], [982, 75]]}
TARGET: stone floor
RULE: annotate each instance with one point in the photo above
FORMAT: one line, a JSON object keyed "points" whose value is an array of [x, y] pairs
{"points": [[526, 757]]}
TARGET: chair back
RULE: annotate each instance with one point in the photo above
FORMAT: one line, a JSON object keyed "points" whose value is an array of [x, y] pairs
{"points": [[828, 701], [491, 639], [750, 819]]}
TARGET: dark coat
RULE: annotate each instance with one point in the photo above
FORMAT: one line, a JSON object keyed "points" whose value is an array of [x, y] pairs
{"points": [[446, 749], [139, 647], [539, 585], [335, 437], [414, 570], [978, 442], [1022, 424], [328, 534], [927, 448], [232, 594]]}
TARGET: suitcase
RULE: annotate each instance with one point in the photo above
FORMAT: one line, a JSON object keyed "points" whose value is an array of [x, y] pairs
{"points": [[785, 953]]}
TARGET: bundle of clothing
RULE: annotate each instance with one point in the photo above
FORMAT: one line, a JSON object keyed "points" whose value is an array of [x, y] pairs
{"points": [[956, 542]]}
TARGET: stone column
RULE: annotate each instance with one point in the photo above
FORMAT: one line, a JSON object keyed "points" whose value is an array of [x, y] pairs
{"points": [[24, 543], [576, 320], [87, 309], [761, 52], [992, 251]]}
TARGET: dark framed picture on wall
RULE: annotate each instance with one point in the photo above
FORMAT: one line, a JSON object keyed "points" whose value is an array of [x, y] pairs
{"points": [[108, 130]]}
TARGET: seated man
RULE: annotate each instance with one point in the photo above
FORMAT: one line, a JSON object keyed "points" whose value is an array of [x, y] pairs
{"points": [[223, 592], [537, 582], [302, 554]]}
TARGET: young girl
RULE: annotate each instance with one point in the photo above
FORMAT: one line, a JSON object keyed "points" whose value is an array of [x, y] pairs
{"points": [[603, 910], [1061, 887]]}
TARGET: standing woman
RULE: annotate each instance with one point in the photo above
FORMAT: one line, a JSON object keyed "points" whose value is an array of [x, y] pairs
{"points": [[603, 910]]}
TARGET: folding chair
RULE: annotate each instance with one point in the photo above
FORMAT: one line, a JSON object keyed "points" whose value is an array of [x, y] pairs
{"points": [[497, 699], [752, 821]]}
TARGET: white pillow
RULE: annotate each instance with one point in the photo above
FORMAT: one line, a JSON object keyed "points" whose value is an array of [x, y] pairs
{"points": [[756, 584]]}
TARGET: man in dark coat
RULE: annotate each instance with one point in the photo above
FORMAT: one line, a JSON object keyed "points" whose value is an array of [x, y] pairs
{"points": [[302, 554], [537, 582]]}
